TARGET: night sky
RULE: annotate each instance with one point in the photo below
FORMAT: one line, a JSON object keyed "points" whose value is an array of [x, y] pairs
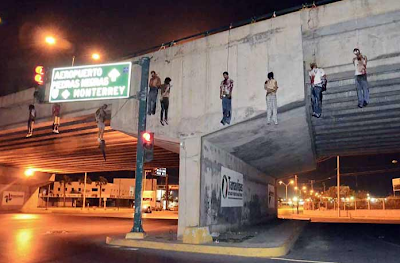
{"points": [[112, 28]]}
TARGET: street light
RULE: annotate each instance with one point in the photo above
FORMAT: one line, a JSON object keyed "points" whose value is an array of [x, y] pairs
{"points": [[304, 188], [50, 40], [95, 56], [29, 172], [286, 186]]}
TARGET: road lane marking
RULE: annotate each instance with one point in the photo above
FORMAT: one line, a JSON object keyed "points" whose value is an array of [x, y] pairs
{"points": [[302, 260]]}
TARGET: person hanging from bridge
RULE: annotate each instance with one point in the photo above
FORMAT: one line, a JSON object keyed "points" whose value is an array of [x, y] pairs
{"points": [[318, 83], [56, 117], [225, 94], [100, 117], [271, 86], [165, 90], [155, 84], [31, 120], [362, 86]]}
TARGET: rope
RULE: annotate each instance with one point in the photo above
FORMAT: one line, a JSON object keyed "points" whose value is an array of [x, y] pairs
{"points": [[229, 41]]}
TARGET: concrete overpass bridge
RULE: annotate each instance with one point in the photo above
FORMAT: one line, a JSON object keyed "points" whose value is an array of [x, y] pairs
{"points": [[260, 152]]}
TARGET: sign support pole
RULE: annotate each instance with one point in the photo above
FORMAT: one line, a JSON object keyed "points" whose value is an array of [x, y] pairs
{"points": [[137, 222], [338, 183], [84, 191]]}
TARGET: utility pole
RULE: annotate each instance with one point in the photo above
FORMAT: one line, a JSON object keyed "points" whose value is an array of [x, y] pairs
{"points": [[296, 191], [312, 184], [338, 184], [166, 192], [84, 191], [48, 194], [137, 222], [323, 183], [119, 192]]}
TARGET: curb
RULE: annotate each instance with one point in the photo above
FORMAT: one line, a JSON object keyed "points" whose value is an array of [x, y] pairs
{"points": [[253, 252]]}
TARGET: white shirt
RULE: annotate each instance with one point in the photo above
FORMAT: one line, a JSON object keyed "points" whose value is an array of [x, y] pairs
{"points": [[316, 75], [360, 66]]}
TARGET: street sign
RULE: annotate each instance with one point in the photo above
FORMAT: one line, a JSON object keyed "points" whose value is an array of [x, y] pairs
{"points": [[396, 184], [161, 172], [231, 188], [93, 82]]}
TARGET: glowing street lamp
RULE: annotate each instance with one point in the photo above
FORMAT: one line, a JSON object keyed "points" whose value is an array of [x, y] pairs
{"points": [[29, 172], [304, 188], [50, 40], [286, 185], [96, 56]]}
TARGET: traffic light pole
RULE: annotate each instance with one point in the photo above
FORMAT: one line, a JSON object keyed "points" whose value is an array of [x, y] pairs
{"points": [[137, 221]]}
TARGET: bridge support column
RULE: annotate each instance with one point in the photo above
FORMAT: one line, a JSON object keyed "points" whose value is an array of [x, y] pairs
{"points": [[189, 184]]}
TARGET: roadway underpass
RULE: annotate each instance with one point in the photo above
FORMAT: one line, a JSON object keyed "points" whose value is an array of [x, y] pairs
{"points": [[75, 149]]}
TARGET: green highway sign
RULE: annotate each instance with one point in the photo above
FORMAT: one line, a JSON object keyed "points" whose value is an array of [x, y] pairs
{"points": [[94, 82]]}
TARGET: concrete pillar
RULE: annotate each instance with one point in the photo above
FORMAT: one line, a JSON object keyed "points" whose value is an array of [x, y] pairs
{"points": [[189, 184]]}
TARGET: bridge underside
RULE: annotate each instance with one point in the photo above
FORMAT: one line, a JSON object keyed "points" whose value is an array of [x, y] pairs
{"points": [[276, 150], [75, 149]]}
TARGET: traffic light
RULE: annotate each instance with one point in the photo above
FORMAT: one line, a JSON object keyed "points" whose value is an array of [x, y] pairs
{"points": [[39, 75], [148, 146]]}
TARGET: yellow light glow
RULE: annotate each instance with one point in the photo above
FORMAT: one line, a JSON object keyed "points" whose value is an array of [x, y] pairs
{"points": [[280, 182], [25, 216], [291, 182], [296, 188], [29, 172], [95, 56], [304, 188], [50, 40]]}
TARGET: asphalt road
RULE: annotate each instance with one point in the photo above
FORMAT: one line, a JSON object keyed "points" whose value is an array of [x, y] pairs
{"points": [[63, 238]]}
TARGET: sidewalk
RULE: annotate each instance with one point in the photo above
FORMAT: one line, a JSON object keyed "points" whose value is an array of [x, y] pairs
{"points": [[341, 219], [108, 212], [270, 240]]}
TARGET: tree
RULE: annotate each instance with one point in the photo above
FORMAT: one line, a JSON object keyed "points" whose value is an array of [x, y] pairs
{"points": [[100, 183], [65, 180], [362, 194], [81, 180], [345, 191]]}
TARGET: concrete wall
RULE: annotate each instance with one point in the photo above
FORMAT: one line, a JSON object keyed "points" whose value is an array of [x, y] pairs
{"points": [[255, 194], [4, 188], [331, 32], [14, 109], [196, 69], [13, 180]]}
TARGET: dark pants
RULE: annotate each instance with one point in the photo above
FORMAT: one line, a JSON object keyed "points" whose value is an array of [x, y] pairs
{"points": [[152, 101], [316, 99], [362, 89], [164, 108], [226, 110]]}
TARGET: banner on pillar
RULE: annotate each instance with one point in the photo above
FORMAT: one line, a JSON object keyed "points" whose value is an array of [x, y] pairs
{"points": [[13, 198], [271, 196], [231, 188]]}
